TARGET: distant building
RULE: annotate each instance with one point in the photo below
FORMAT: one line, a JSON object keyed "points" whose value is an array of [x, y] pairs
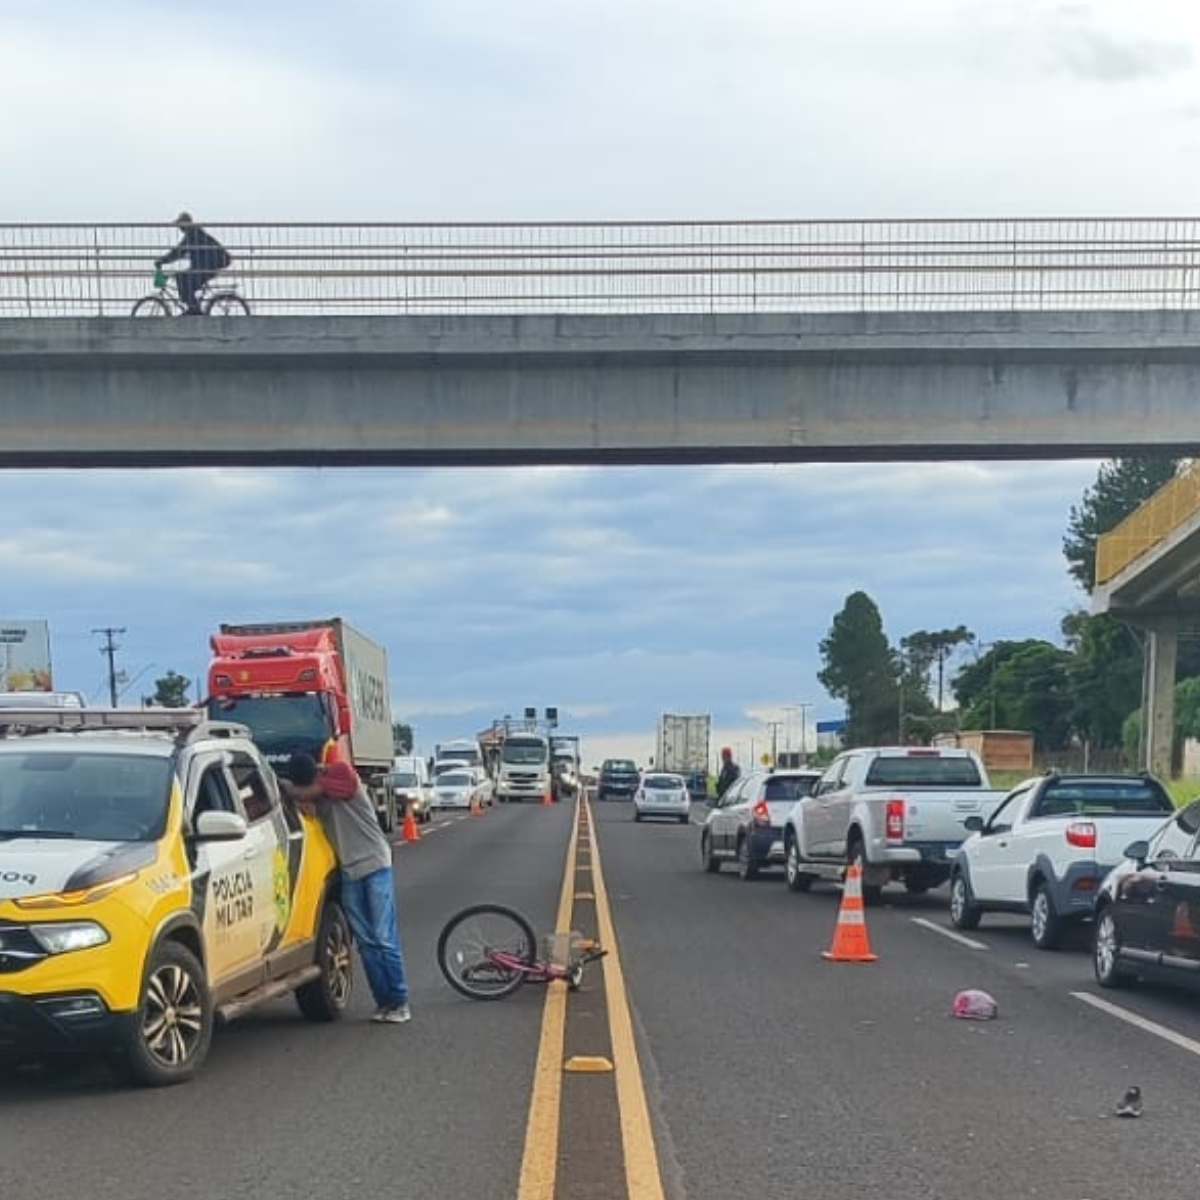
{"points": [[1000, 749]]}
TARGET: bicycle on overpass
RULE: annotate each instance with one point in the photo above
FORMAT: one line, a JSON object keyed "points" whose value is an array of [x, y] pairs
{"points": [[165, 301]]}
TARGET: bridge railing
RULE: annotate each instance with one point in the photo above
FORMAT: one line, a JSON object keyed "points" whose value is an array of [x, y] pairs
{"points": [[1152, 522], [70, 270]]}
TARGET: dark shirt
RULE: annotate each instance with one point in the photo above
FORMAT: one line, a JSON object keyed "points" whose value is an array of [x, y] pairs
{"points": [[201, 249], [730, 772]]}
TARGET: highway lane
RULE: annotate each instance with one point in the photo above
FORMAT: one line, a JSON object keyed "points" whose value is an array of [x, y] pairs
{"points": [[434, 1110], [775, 1073], [769, 1072]]}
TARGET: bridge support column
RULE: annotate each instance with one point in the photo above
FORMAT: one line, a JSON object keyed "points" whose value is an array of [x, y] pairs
{"points": [[1158, 695]]}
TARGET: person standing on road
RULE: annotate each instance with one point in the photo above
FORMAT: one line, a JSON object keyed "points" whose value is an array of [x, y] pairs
{"points": [[206, 256], [348, 817], [730, 771]]}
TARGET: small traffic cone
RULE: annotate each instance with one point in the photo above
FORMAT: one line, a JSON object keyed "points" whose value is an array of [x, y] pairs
{"points": [[850, 942], [1182, 929], [547, 798], [410, 832], [476, 807]]}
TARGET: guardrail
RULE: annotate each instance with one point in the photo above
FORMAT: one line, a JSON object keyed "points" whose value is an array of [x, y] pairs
{"points": [[1150, 523], [51, 270]]}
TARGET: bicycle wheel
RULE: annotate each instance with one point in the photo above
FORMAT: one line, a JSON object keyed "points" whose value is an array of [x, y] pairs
{"points": [[151, 306], [226, 304], [468, 942]]}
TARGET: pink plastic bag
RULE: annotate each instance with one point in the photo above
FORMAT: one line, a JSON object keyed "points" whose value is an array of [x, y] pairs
{"points": [[974, 1005]]}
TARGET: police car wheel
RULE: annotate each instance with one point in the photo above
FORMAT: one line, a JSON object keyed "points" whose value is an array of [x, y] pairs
{"points": [[173, 1026]]}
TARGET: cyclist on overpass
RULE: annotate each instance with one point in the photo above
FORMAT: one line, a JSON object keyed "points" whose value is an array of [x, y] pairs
{"points": [[206, 256]]}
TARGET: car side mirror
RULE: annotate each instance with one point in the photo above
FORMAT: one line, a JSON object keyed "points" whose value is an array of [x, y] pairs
{"points": [[220, 827], [1139, 851], [973, 824]]}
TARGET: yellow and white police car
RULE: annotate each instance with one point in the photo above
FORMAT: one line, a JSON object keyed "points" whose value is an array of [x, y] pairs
{"points": [[152, 881]]}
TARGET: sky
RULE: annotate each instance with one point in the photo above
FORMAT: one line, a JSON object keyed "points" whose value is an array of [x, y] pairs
{"points": [[613, 593]]}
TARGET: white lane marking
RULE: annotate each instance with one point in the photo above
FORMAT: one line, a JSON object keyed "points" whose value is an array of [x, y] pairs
{"points": [[1146, 1025], [950, 933]]}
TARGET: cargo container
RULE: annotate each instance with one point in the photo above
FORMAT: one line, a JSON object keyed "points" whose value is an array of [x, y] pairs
{"points": [[317, 687]]}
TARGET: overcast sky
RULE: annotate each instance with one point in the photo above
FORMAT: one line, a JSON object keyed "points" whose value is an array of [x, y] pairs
{"points": [[627, 591]]}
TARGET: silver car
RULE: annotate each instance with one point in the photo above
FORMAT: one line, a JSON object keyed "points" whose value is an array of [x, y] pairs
{"points": [[662, 795]]}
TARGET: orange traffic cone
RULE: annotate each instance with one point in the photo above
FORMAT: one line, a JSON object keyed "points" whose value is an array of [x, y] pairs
{"points": [[410, 832], [850, 942], [476, 807], [547, 798], [1182, 929]]}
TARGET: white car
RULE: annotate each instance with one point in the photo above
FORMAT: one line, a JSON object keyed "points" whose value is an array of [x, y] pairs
{"points": [[662, 795], [1048, 847], [457, 789]]}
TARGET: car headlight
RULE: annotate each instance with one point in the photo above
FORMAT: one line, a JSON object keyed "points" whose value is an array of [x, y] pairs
{"points": [[61, 937]]}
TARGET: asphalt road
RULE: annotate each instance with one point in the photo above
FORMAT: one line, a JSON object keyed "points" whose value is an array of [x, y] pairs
{"points": [[768, 1072]]}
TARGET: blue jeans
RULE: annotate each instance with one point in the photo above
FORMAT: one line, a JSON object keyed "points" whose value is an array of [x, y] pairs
{"points": [[370, 905]]}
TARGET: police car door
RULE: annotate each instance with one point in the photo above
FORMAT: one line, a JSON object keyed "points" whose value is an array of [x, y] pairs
{"points": [[223, 880], [269, 865]]}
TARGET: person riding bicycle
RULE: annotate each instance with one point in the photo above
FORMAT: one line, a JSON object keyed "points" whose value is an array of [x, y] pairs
{"points": [[206, 256]]}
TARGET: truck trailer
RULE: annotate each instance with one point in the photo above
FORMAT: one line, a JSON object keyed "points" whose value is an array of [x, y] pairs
{"points": [[315, 687], [683, 743]]}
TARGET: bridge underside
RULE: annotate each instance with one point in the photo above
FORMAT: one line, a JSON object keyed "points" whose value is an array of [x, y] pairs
{"points": [[503, 391]]}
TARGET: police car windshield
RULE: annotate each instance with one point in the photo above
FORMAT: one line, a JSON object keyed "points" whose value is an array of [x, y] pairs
{"points": [[97, 796]]}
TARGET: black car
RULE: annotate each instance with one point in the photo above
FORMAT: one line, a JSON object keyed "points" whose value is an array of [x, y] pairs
{"points": [[619, 778], [1147, 918]]}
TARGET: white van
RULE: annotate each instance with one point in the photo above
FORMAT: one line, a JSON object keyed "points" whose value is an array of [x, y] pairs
{"points": [[410, 782]]}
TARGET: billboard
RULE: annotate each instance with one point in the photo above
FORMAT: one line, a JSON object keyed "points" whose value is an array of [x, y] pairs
{"points": [[25, 656]]}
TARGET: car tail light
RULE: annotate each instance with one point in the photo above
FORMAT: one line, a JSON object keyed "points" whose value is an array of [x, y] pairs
{"points": [[894, 821], [762, 814], [1082, 833]]}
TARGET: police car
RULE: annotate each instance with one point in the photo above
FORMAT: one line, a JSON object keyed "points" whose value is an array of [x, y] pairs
{"points": [[151, 881]]}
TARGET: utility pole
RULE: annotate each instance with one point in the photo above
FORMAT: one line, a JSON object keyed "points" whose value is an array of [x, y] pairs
{"points": [[803, 706], [110, 649], [773, 726]]}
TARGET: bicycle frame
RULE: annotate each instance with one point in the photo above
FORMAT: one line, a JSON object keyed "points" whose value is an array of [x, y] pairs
{"points": [[542, 970]]}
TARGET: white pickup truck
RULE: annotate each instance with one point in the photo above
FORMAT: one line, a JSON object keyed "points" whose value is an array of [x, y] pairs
{"points": [[1048, 846], [900, 812]]}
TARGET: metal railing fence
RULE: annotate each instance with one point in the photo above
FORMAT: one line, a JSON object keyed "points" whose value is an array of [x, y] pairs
{"points": [[49, 270], [1177, 501]]}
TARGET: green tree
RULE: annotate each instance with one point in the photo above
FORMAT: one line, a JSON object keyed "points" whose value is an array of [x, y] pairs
{"points": [[1121, 485], [402, 738], [170, 691], [1032, 692], [916, 719], [974, 687], [1104, 677], [928, 652], [859, 670]]}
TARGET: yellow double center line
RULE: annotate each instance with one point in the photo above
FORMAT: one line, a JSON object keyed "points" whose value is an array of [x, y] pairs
{"points": [[643, 1180]]}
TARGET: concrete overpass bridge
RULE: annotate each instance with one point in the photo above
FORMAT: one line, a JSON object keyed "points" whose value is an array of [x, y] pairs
{"points": [[627, 342], [611, 342]]}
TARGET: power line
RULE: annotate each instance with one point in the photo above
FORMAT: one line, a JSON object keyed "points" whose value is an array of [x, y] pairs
{"points": [[110, 648]]}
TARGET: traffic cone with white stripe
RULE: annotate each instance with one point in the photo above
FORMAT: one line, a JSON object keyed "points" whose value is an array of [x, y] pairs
{"points": [[850, 942]]}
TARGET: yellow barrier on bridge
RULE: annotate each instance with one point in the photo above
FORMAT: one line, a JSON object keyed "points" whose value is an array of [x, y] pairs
{"points": [[1149, 523]]}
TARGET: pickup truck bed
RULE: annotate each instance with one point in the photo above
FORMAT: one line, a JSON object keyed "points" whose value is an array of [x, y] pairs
{"points": [[1047, 848], [899, 812]]}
